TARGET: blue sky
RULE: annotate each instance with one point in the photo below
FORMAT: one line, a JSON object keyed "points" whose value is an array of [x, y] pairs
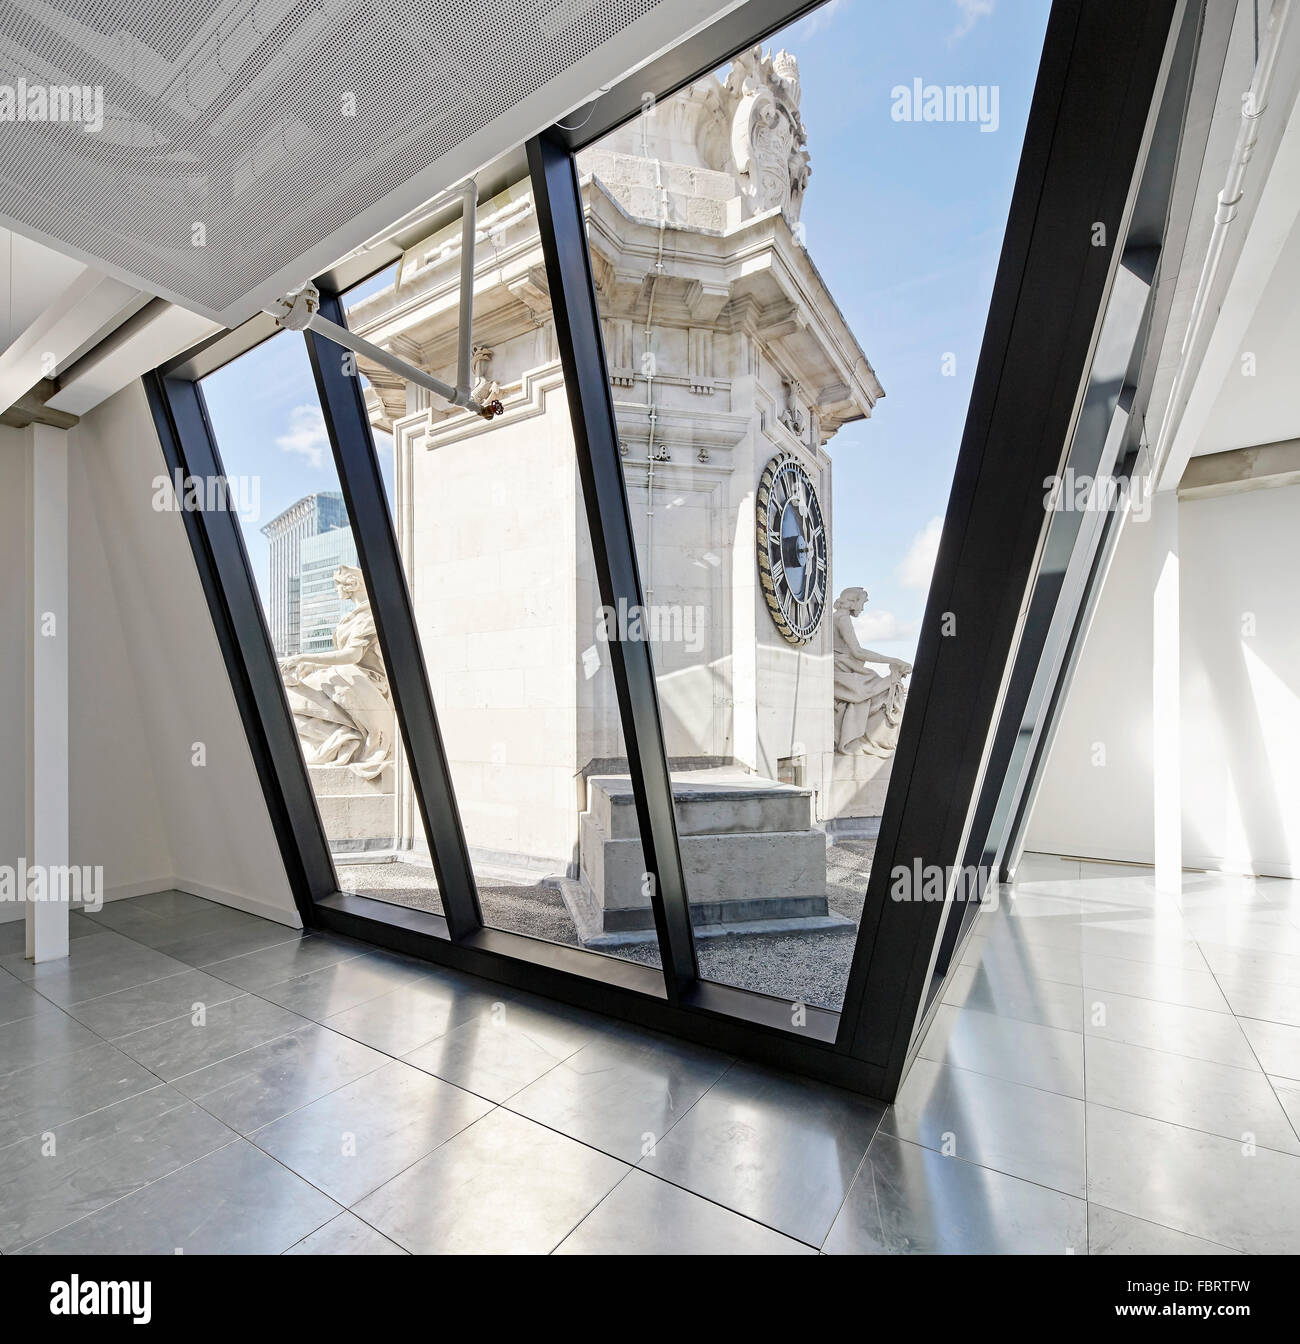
{"points": [[905, 222]]}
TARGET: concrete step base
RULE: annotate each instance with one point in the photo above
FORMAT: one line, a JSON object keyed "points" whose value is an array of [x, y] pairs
{"points": [[705, 802], [752, 858], [588, 919]]}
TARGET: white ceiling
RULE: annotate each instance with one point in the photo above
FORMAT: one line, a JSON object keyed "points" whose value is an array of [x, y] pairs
{"points": [[290, 131]]}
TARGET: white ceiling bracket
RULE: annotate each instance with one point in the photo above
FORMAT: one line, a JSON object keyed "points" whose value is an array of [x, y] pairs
{"points": [[300, 311]]}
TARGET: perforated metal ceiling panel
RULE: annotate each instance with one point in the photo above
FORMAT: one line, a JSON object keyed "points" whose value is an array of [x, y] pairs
{"points": [[246, 144]]}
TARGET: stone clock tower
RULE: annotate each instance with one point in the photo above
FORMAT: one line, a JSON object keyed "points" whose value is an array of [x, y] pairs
{"points": [[732, 371]]}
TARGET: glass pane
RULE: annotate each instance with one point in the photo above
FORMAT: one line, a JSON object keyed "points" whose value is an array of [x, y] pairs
{"points": [[777, 247], [271, 436], [492, 528]]}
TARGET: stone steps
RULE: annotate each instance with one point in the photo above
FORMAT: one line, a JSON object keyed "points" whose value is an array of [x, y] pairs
{"points": [[753, 859]]}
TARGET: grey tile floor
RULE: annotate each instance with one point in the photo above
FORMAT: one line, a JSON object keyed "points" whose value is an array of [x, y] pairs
{"points": [[1109, 1071]]}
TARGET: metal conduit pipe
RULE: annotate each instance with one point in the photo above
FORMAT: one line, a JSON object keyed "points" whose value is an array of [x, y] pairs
{"points": [[301, 312], [1204, 311]]}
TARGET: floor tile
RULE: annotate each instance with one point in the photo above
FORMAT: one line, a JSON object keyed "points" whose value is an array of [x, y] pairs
{"points": [[402, 1020], [88, 952], [1196, 1183], [147, 1005], [350, 1142], [285, 961], [1034, 866], [1145, 980], [13, 933], [251, 1090], [623, 1091], [13, 940], [1276, 1045], [346, 1235], [39, 1098], [97, 966], [646, 1216], [170, 904], [334, 989], [19, 1001], [183, 1044], [126, 918], [1288, 1095], [205, 949], [1233, 1103], [1022, 1131], [48, 1182], [80, 925], [235, 1201], [503, 1186], [153, 927], [1262, 999], [1133, 945], [1249, 931], [39, 1039], [1113, 1233], [742, 1160], [502, 1051], [1139, 941], [1167, 1026], [778, 1149], [1004, 1047], [1025, 998], [1235, 963], [909, 1200], [1004, 960]]}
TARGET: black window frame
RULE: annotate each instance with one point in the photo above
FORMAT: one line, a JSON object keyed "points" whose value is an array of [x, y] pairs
{"points": [[1105, 131]]}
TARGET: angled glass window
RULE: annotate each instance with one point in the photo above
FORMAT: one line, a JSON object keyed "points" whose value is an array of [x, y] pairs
{"points": [[492, 532], [793, 260], [269, 429]]}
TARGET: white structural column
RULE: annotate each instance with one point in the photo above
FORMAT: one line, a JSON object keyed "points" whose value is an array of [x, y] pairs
{"points": [[47, 692], [1166, 753]]}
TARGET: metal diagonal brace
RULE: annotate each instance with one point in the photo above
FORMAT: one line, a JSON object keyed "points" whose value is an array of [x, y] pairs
{"points": [[301, 311]]}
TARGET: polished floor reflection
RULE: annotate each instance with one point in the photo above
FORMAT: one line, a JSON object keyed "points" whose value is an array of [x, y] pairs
{"points": [[1109, 1071]]}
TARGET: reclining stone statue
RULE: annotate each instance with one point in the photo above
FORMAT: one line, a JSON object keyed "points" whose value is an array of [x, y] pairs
{"points": [[868, 705], [339, 696]]}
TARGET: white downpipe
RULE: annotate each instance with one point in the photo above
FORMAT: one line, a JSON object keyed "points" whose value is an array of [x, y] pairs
{"points": [[651, 369]]}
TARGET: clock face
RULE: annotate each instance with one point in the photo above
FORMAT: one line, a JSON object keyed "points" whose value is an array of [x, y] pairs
{"points": [[791, 549]]}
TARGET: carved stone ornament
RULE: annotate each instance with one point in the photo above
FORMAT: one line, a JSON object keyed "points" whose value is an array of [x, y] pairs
{"points": [[767, 133], [339, 697]]}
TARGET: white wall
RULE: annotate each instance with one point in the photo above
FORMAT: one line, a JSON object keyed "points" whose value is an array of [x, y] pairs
{"points": [[1240, 690], [1241, 681], [149, 683], [116, 818]]}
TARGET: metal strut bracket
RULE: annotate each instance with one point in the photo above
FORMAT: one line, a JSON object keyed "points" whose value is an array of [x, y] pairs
{"points": [[301, 310]]}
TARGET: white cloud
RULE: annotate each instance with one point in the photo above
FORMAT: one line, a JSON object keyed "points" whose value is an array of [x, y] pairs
{"points": [[306, 434], [972, 11], [878, 626], [917, 566], [820, 18]]}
